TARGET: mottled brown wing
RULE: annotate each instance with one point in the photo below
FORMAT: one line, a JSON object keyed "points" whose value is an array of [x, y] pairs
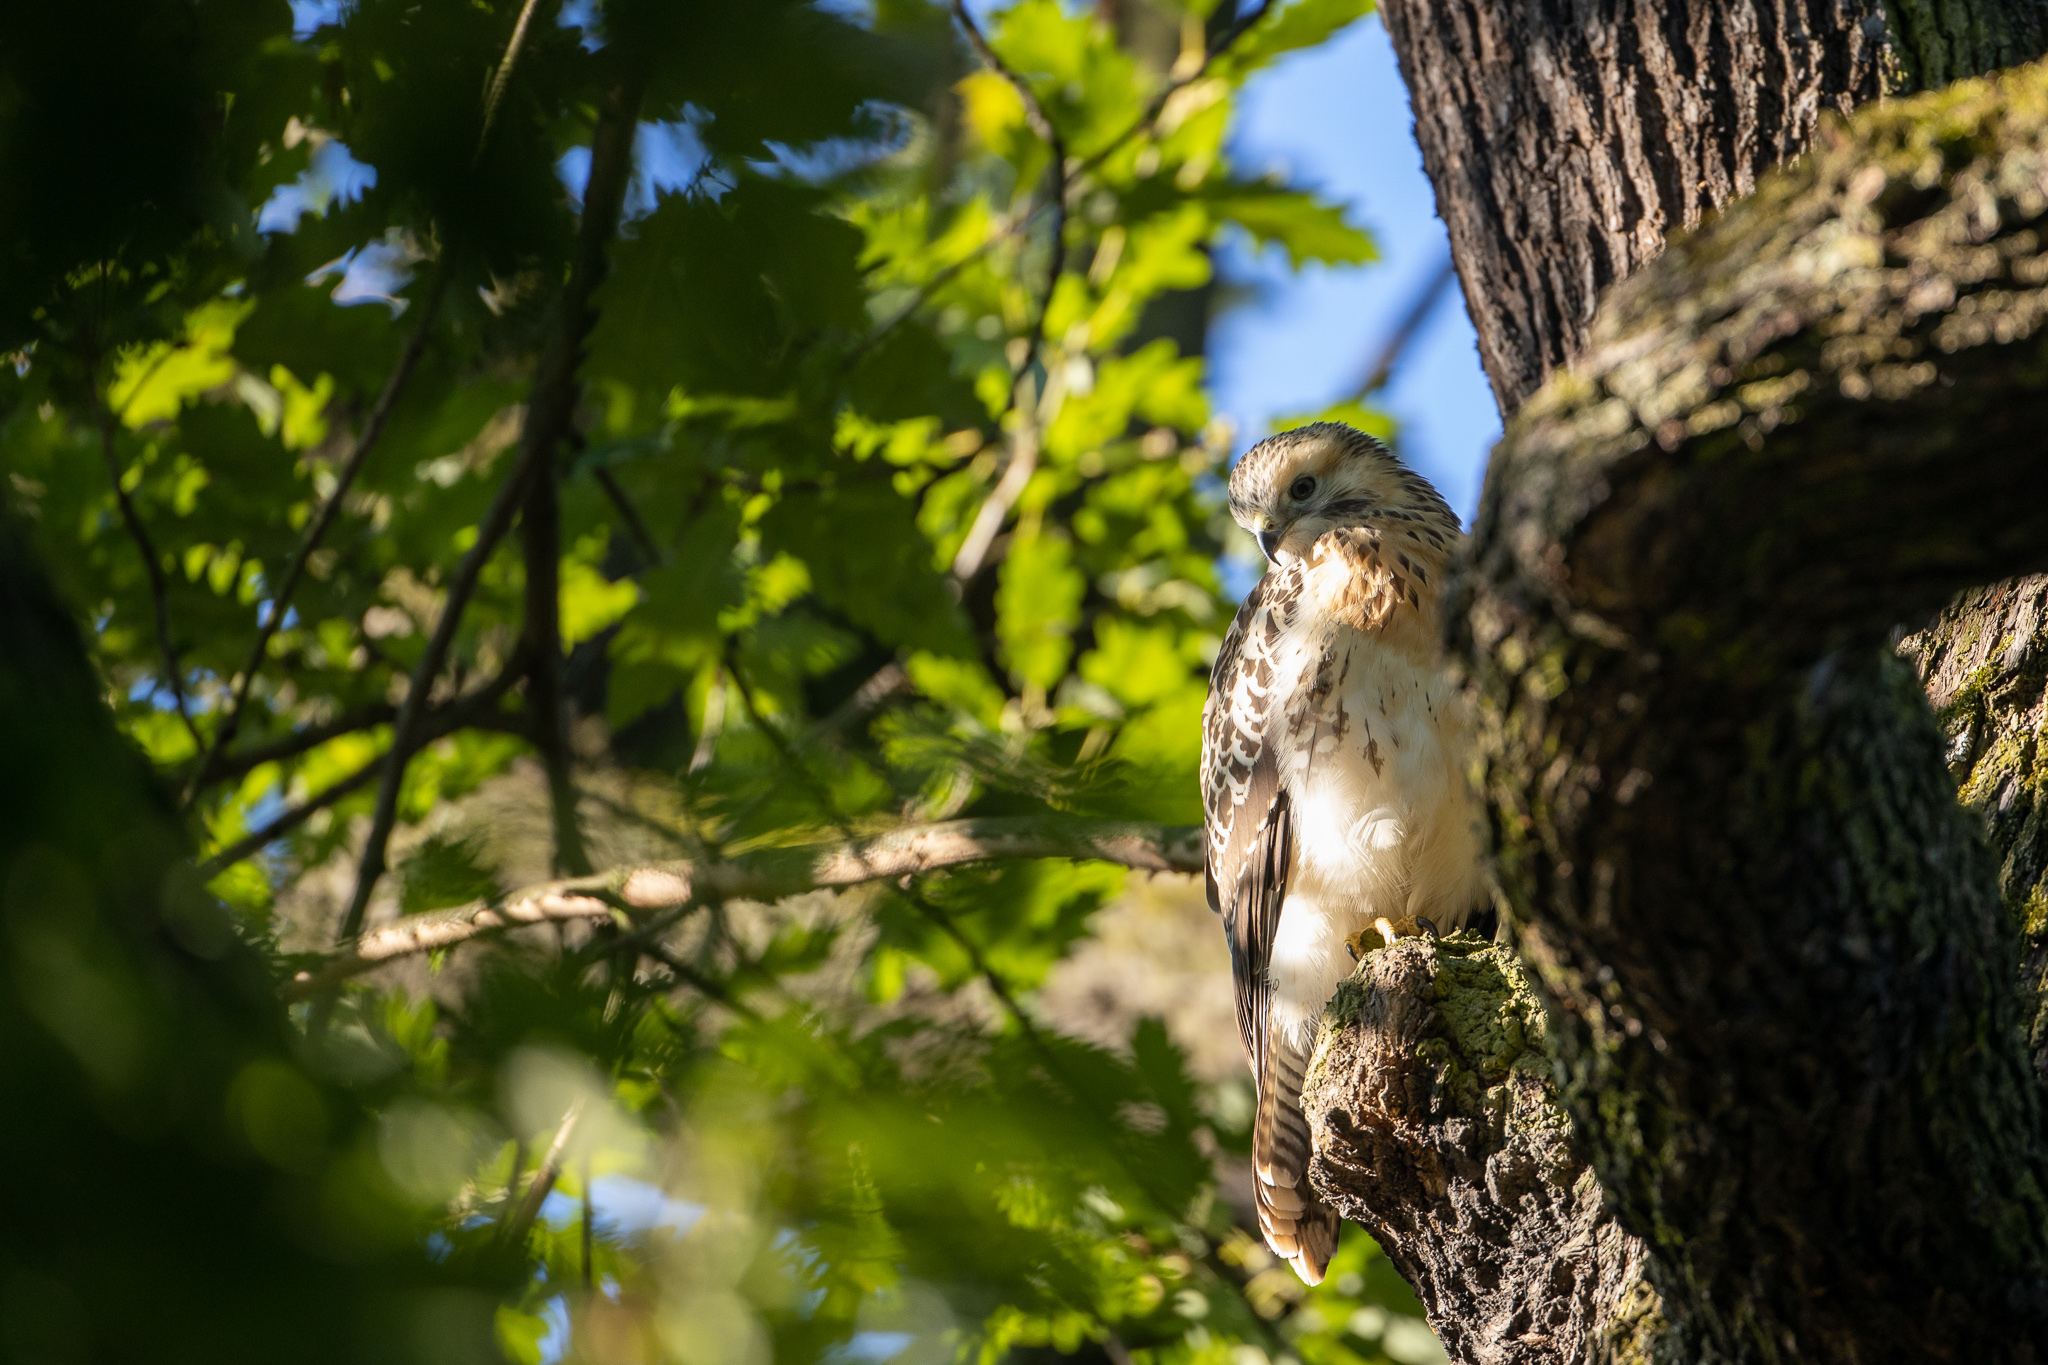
{"points": [[1245, 808]]}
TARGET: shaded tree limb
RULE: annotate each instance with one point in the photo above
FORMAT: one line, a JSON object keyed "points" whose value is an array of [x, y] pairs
{"points": [[549, 412], [766, 874], [152, 565], [316, 530], [540, 529]]}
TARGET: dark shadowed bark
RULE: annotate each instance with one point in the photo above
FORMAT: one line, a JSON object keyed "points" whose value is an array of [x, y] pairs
{"points": [[1785, 1013]]}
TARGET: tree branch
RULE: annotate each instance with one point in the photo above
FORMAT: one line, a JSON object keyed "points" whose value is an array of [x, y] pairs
{"points": [[316, 530], [548, 414], [1437, 1128], [766, 875], [308, 737], [1845, 366], [152, 565], [1780, 976], [1024, 438], [471, 712], [515, 1228], [540, 532], [1420, 309]]}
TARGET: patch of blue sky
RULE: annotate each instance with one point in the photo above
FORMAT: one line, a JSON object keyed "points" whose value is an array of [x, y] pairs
{"points": [[310, 16], [371, 273], [623, 1206], [884, 131], [332, 176], [1337, 117], [581, 14], [668, 158], [554, 1342], [869, 1348]]}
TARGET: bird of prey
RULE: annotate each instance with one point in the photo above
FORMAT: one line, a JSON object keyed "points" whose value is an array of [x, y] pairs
{"points": [[1333, 752]]}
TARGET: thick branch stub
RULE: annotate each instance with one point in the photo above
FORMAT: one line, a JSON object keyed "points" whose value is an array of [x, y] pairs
{"points": [[1436, 1127]]}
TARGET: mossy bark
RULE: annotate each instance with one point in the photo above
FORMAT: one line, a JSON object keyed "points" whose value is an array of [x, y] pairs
{"points": [[1984, 664], [1783, 988], [1437, 1127]]}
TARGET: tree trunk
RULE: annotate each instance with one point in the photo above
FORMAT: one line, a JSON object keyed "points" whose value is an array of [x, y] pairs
{"points": [[1567, 139], [1782, 989]]}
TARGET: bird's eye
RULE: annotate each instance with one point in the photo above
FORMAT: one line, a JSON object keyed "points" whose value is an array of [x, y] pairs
{"points": [[1300, 489]]}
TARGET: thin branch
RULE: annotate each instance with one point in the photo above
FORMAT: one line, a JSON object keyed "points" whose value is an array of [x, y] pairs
{"points": [[765, 875], [502, 77], [637, 528], [1420, 308], [280, 600], [245, 760], [1011, 226], [548, 414], [995, 509], [290, 819], [471, 712], [152, 565], [513, 1231], [540, 531], [1024, 439]]}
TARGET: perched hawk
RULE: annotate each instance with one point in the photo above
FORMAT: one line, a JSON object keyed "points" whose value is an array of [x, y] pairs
{"points": [[1333, 778]]}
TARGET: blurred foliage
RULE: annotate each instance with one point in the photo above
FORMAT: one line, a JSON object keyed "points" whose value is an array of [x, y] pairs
{"points": [[882, 506]]}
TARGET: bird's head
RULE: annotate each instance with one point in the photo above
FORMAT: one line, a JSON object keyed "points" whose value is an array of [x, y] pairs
{"points": [[1291, 488]]}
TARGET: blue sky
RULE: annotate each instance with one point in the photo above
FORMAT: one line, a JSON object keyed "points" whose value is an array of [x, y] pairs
{"points": [[1336, 119]]}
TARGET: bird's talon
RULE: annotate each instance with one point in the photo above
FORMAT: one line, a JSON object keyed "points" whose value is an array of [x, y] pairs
{"points": [[1428, 926], [1386, 930]]}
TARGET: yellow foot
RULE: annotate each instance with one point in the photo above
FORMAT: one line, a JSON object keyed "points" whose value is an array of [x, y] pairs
{"points": [[1384, 933]]}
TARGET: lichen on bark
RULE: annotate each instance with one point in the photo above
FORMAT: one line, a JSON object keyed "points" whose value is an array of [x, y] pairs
{"points": [[1438, 1128], [1984, 663]]}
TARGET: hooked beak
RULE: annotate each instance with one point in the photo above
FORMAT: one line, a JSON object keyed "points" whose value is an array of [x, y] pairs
{"points": [[1269, 544]]}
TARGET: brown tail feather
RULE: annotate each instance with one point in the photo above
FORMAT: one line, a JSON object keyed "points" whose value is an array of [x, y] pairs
{"points": [[1298, 1226]]}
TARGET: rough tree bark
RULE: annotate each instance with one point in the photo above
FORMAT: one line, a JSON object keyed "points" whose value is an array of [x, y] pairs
{"points": [[1784, 1009], [1566, 139]]}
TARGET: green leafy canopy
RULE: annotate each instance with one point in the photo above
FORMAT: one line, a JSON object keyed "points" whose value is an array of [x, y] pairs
{"points": [[891, 494]]}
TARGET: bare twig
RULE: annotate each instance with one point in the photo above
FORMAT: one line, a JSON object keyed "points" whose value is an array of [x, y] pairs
{"points": [[548, 413], [515, 1228], [495, 91], [765, 875], [473, 711], [1398, 341], [152, 565], [280, 599]]}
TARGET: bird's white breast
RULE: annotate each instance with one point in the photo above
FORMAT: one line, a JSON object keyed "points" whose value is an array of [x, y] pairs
{"points": [[1384, 823]]}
